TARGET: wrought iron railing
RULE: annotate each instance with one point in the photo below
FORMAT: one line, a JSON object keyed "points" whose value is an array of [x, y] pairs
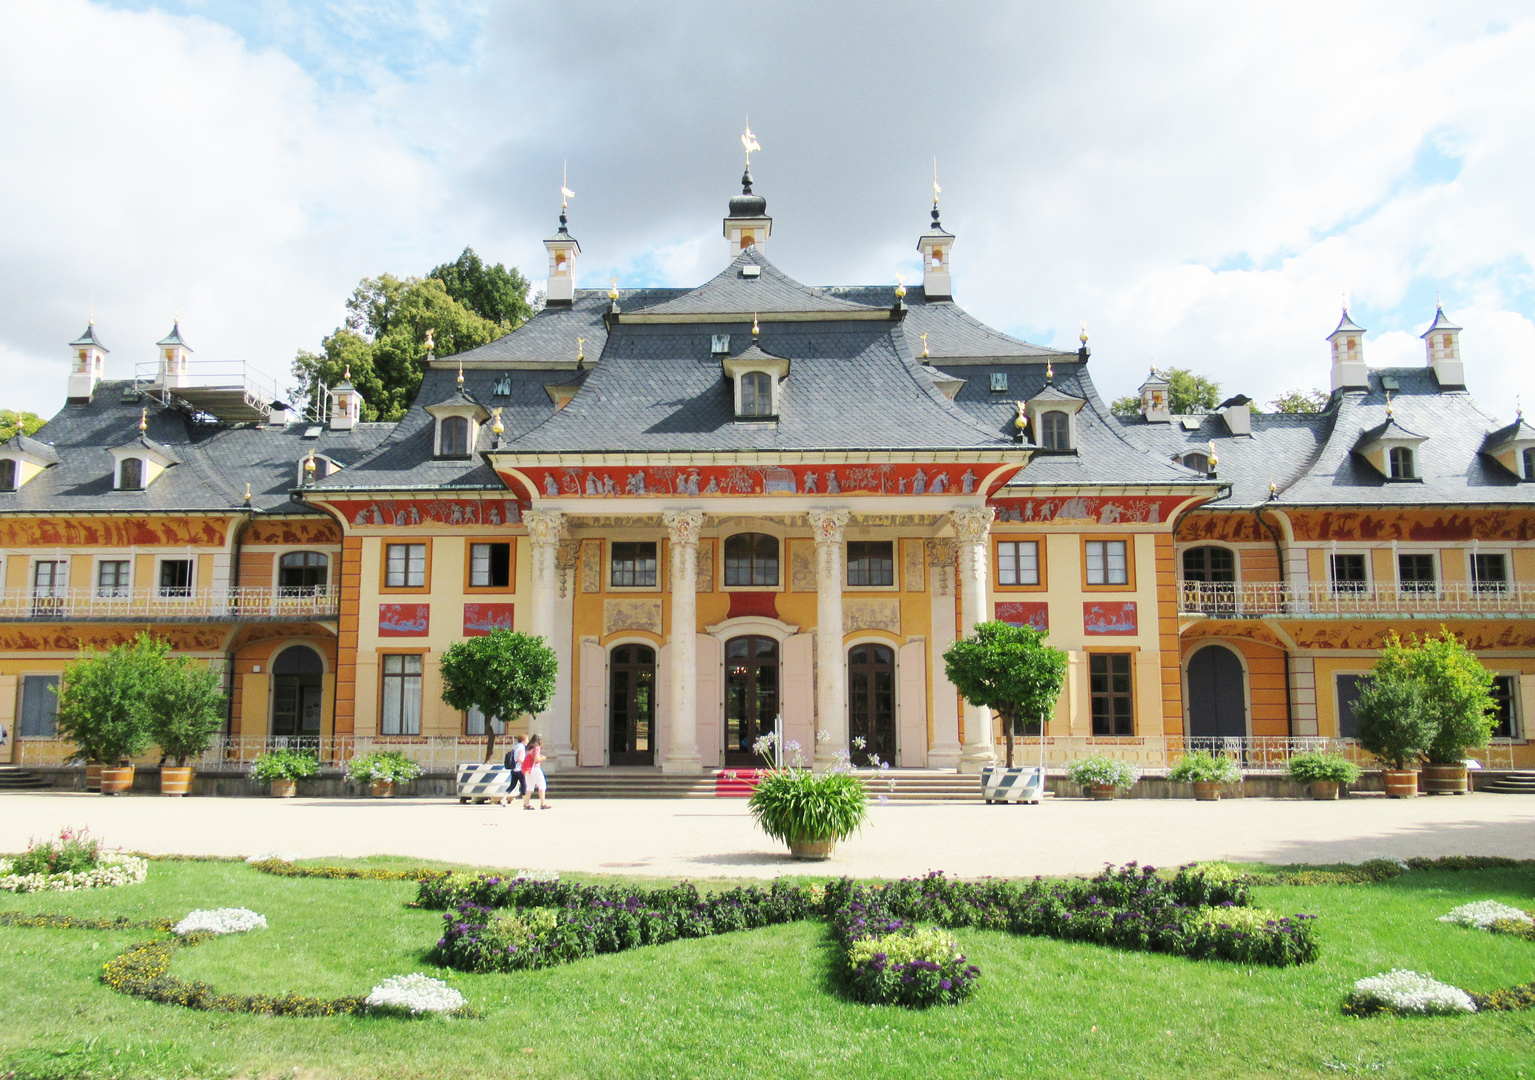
{"points": [[1260, 753], [1348, 600], [170, 602]]}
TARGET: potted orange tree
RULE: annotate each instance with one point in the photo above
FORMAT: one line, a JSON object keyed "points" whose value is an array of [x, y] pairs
{"points": [[1457, 701], [1392, 723], [186, 709], [104, 708]]}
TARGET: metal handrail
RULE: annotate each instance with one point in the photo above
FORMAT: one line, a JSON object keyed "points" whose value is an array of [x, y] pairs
{"points": [[1251, 753], [1330, 600], [170, 602]]}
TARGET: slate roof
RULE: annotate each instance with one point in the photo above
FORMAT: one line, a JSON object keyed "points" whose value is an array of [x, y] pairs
{"points": [[952, 332], [174, 337], [1281, 447], [731, 292], [216, 462], [89, 338], [25, 444]]}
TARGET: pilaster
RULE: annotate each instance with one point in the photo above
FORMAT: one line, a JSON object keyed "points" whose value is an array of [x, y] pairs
{"points": [[829, 527], [972, 527], [680, 755], [545, 530]]}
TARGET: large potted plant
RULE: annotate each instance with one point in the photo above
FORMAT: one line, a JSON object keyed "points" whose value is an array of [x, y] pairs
{"points": [[1011, 671], [502, 674], [810, 811], [381, 770], [283, 769], [1101, 776], [104, 707], [1392, 723], [1324, 773], [1457, 699], [186, 709], [1206, 772]]}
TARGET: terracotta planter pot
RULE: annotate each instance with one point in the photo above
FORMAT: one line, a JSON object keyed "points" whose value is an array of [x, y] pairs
{"points": [[381, 789], [812, 850], [1324, 789], [284, 789], [1445, 780], [175, 780], [93, 777], [1104, 792], [1400, 785], [115, 781], [1207, 790]]}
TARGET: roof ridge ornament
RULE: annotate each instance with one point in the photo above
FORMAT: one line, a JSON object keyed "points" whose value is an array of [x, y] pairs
{"points": [[143, 420], [755, 328], [923, 336], [936, 192], [1049, 372], [461, 374]]}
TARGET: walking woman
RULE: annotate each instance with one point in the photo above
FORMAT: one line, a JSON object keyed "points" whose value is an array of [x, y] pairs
{"points": [[533, 775]]}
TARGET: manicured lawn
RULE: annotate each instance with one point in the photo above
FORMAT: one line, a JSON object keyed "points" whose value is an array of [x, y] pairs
{"points": [[755, 1004]]}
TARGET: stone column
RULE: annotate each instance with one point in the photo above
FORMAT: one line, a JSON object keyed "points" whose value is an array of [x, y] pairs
{"points": [[545, 528], [831, 710], [973, 527], [945, 750], [680, 754]]}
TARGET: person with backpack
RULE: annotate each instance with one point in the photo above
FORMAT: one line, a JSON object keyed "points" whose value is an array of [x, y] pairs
{"points": [[533, 775], [518, 780]]}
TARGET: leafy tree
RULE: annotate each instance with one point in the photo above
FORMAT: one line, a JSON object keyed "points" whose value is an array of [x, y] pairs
{"points": [[462, 304], [503, 674], [1300, 401], [104, 702], [186, 708], [1186, 393], [1392, 720], [492, 292], [10, 418], [1456, 689], [1010, 670]]}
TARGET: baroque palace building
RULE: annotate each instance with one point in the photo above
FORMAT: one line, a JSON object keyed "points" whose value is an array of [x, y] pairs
{"points": [[758, 502]]}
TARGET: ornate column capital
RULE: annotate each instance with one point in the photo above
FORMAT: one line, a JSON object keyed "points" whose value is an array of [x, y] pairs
{"points": [[972, 524], [829, 526], [545, 527], [682, 526]]}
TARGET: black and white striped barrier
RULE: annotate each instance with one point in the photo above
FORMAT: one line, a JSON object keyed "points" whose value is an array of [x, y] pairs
{"points": [[1025, 785], [483, 780]]}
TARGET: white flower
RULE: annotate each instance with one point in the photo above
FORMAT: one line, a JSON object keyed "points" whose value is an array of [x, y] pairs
{"points": [[1483, 913], [1409, 992], [271, 856], [538, 875], [224, 920], [415, 994], [111, 870], [860, 742]]}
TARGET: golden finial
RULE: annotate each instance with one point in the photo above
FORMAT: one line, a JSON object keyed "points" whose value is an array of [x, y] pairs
{"points": [[247, 493], [1518, 409], [565, 193], [346, 376], [1049, 371], [460, 374], [613, 289], [309, 466], [1273, 490], [143, 420], [1082, 337], [580, 349], [431, 339], [1388, 403], [900, 286], [923, 336], [936, 188], [1215, 459], [1021, 421], [749, 142], [497, 428], [755, 328]]}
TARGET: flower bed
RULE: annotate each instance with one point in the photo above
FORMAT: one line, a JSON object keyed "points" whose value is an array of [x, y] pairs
{"points": [[112, 870], [1485, 915], [1406, 993], [227, 920], [415, 995]]}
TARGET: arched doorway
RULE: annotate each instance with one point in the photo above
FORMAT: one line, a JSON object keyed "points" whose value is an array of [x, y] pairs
{"points": [[298, 676], [871, 702], [632, 705], [751, 696], [1217, 694]]}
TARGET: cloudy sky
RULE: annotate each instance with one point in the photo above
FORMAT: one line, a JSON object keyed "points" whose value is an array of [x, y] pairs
{"points": [[1202, 187]]}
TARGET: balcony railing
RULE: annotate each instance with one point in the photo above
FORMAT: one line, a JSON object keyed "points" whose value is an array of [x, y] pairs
{"points": [[1347, 600], [234, 755], [170, 603], [1259, 753]]}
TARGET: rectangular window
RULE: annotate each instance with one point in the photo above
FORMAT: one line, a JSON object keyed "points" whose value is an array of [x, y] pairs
{"points": [[1348, 574], [1348, 693], [112, 577], [474, 723], [39, 706], [402, 695], [1106, 563], [1113, 694], [1018, 562], [998, 381], [490, 565], [870, 563], [176, 577], [49, 580], [1505, 689], [1489, 573], [405, 566], [1415, 573], [634, 564]]}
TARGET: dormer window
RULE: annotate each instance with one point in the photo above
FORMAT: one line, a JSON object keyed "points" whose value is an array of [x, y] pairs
{"points": [[756, 394], [1402, 464], [1055, 430], [1052, 417], [458, 424], [130, 474], [758, 377], [1391, 449], [454, 437], [7, 474], [1529, 463], [1197, 461]]}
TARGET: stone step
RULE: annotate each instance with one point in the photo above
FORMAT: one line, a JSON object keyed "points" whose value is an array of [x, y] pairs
{"points": [[16, 779]]}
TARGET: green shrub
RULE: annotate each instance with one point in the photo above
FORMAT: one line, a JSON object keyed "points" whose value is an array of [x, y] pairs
{"points": [[104, 700], [382, 765], [186, 708], [1202, 767], [70, 853], [1392, 721], [284, 765], [1101, 770], [794, 805], [1318, 767], [1457, 692]]}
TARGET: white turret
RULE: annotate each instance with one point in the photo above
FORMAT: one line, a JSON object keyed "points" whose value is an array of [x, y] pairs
{"points": [[1442, 341], [173, 359], [345, 404], [87, 366], [563, 249], [1348, 368]]}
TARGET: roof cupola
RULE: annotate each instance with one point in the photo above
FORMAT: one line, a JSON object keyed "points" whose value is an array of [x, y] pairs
{"points": [[173, 355], [1442, 342], [748, 223], [935, 244], [1348, 367], [87, 365], [345, 404], [563, 249], [1156, 399]]}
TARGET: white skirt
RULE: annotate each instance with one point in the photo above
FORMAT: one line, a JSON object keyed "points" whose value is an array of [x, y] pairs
{"points": [[536, 781]]}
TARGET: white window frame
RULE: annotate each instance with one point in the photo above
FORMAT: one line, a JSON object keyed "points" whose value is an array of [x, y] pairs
{"points": [[1434, 561], [1087, 565], [1017, 565], [161, 560], [847, 565], [608, 567], [1516, 728], [96, 576], [405, 584], [1367, 586], [1508, 567]]}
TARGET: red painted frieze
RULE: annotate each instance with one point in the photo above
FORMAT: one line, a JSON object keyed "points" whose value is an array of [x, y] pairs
{"points": [[689, 481]]}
